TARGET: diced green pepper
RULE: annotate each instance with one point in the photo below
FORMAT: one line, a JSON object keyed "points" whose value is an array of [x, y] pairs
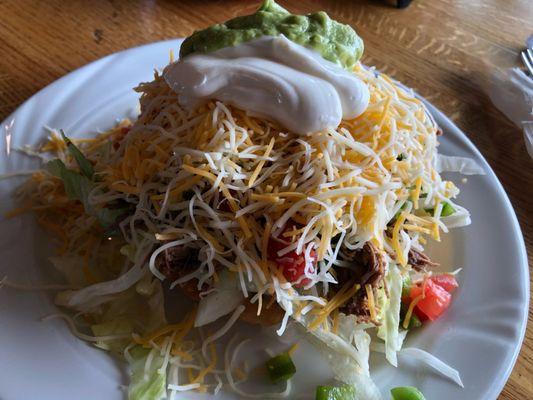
{"points": [[401, 157], [406, 393], [406, 285], [414, 321], [447, 210], [280, 368], [345, 392]]}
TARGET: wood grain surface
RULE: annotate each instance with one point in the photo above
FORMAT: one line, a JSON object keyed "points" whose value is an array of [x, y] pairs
{"points": [[445, 49]]}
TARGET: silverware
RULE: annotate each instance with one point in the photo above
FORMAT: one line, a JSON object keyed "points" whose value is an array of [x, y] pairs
{"points": [[527, 59]]}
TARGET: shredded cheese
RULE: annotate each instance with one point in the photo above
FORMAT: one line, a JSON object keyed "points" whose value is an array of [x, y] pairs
{"points": [[221, 183], [262, 162], [371, 303], [416, 192], [293, 348], [410, 310]]}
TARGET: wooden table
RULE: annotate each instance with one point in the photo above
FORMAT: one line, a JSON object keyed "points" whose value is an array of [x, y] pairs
{"points": [[444, 49]]}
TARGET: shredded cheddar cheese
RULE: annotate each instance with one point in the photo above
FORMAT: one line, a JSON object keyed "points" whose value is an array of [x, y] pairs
{"points": [[224, 184]]}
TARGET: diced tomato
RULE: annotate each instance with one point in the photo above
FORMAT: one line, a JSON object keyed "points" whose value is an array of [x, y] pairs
{"points": [[421, 316], [436, 300], [292, 264], [294, 267], [415, 291], [445, 281]]}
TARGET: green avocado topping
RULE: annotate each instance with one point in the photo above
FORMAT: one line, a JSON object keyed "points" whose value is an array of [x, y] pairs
{"points": [[336, 42]]}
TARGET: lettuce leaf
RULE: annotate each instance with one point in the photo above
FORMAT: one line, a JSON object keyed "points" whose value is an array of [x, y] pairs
{"points": [[129, 250], [86, 168], [71, 268], [463, 165], [145, 313], [226, 297], [433, 362], [347, 354], [146, 383], [108, 216], [78, 187], [390, 326], [115, 327]]}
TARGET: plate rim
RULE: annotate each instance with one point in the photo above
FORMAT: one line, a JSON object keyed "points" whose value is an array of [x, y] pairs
{"points": [[497, 386], [524, 265]]}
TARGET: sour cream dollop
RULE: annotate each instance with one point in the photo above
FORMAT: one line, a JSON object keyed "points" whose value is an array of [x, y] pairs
{"points": [[273, 78]]}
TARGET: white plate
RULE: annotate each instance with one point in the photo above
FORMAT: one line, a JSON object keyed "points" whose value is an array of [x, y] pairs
{"points": [[480, 335]]}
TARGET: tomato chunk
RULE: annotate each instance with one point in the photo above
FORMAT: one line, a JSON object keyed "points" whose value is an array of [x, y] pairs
{"points": [[292, 264], [436, 300], [445, 281]]}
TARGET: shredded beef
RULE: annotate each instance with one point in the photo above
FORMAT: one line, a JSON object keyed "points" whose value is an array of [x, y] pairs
{"points": [[419, 260], [368, 268], [358, 306], [177, 262]]}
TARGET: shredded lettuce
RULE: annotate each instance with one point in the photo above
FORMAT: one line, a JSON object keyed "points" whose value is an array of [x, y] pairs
{"points": [[86, 168], [145, 312], [78, 185], [226, 297], [461, 217], [71, 268], [98, 293], [354, 334], [115, 327], [129, 250], [347, 354], [147, 382], [389, 329], [216, 305], [463, 165], [431, 361]]}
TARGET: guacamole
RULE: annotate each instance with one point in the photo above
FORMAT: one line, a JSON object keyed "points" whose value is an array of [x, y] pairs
{"points": [[336, 42]]}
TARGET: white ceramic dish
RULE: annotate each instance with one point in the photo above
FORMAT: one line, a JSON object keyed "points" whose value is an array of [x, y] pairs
{"points": [[480, 335]]}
